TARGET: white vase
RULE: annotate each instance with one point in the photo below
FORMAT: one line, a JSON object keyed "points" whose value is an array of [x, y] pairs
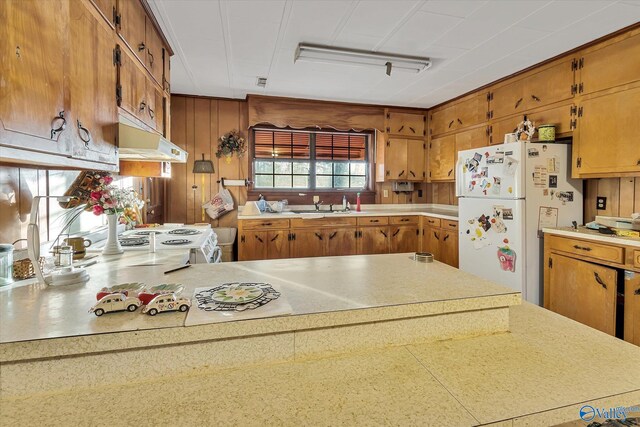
{"points": [[112, 247]]}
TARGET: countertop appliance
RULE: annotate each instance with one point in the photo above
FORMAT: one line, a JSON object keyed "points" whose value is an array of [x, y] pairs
{"points": [[199, 239], [507, 194]]}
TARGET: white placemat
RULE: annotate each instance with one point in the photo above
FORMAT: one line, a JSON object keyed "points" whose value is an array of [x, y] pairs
{"points": [[208, 306]]}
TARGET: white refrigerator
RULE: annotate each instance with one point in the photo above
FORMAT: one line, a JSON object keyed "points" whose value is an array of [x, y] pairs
{"points": [[507, 194]]}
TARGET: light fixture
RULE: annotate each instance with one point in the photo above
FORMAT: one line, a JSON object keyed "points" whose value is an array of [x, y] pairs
{"points": [[338, 55], [202, 167]]}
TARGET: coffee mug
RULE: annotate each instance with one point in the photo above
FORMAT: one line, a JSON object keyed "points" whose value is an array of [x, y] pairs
{"points": [[78, 244]]}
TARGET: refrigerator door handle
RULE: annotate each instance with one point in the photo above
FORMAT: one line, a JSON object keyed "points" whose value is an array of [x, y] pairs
{"points": [[459, 178]]}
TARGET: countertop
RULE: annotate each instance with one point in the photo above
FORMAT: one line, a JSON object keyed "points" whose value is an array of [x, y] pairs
{"points": [[539, 374], [585, 233], [437, 211], [311, 285]]}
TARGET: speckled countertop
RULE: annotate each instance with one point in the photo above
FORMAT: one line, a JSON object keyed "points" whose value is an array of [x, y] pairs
{"points": [[585, 233], [539, 374], [438, 211]]}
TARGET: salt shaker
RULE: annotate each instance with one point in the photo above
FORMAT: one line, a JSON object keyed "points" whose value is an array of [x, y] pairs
{"points": [[152, 241]]}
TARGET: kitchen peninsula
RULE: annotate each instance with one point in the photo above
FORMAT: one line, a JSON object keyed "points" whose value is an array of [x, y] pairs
{"points": [[422, 341]]}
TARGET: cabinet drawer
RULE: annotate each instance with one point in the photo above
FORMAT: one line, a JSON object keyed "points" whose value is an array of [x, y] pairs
{"points": [[449, 225], [636, 259], [373, 220], [403, 220], [264, 223], [432, 222], [588, 249], [323, 222]]}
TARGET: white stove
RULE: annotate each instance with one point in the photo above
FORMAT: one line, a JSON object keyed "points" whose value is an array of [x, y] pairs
{"points": [[201, 241]]}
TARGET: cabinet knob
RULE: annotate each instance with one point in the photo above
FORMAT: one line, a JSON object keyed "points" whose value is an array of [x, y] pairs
{"points": [[141, 47], [58, 124], [517, 103], [84, 134], [143, 105]]}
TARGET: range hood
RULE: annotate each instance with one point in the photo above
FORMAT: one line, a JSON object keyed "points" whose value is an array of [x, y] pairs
{"points": [[141, 145]]}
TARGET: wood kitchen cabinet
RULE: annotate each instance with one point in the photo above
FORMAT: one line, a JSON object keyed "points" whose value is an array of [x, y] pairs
{"points": [[440, 237], [405, 159], [341, 241], [442, 158], [605, 139], [132, 87], [107, 9], [472, 138], [308, 243], [32, 93], [470, 111], [562, 117], [154, 52], [406, 124], [404, 234], [92, 81], [632, 305], [257, 245], [131, 26], [373, 240]]}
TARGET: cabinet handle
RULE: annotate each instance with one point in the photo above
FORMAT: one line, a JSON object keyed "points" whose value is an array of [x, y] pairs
{"points": [[143, 105], [450, 172], [638, 163], [242, 239], [582, 248], [275, 238], [411, 172], [141, 47], [374, 220], [451, 124], [383, 233], [151, 113], [55, 129], [84, 134], [401, 172], [459, 121], [259, 239], [395, 233], [319, 236], [360, 234], [637, 292], [535, 98], [150, 57], [332, 235], [401, 127], [412, 129], [518, 103], [599, 280], [266, 224], [404, 220], [445, 238], [388, 173], [436, 235]]}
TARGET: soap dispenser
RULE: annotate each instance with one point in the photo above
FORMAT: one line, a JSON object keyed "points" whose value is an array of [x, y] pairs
{"points": [[344, 202]]}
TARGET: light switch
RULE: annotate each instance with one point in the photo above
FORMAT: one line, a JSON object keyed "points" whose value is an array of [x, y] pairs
{"points": [[316, 199], [385, 193]]}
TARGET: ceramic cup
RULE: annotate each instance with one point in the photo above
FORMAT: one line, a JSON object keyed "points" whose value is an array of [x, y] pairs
{"points": [[78, 244]]}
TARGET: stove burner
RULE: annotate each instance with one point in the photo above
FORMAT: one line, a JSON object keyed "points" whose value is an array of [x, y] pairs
{"points": [[185, 231], [176, 242], [140, 241], [146, 232]]}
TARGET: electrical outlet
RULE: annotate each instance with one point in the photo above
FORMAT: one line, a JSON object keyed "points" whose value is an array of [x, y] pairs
{"points": [[601, 203], [385, 193]]}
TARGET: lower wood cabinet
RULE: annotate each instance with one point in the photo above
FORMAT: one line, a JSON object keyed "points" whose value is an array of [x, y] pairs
{"points": [[373, 240], [440, 237], [404, 238], [632, 307]]}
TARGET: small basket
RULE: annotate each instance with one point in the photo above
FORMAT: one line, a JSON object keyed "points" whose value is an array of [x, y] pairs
{"points": [[23, 268]]}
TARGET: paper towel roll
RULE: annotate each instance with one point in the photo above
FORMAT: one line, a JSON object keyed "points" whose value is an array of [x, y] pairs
{"points": [[233, 182]]}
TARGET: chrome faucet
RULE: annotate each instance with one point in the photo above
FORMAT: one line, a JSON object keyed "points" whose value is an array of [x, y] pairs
{"points": [[317, 204]]}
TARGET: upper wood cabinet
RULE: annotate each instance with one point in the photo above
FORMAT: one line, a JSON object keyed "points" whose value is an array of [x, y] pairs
{"points": [[33, 112], [442, 157], [107, 9], [132, 89], [406, 124], [552, 84], [154, 54], [93, 80], [472, 138], [131, 26], [605, 140], [470, 111], [609, 65], [404, 159], [563, 117]]}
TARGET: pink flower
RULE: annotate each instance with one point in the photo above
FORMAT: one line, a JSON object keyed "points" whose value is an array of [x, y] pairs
{"points": [[95, 195], [98, 210], [108, 179]]}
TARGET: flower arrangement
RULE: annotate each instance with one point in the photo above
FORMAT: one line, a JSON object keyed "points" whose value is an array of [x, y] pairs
{"points": [[525, 130], [110, 199], [229, 143]]}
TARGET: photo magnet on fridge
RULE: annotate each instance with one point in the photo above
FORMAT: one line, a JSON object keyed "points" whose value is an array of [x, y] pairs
{"points": [[553, 181], [507, 258], [533, 152], [507, 214]]}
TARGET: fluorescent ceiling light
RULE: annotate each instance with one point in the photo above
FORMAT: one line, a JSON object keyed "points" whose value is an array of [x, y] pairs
{"points": [[337, 55]]}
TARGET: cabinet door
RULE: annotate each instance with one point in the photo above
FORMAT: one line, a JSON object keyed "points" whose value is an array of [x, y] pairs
{"points": [[107, 9], [166, 60], [152, 114], [252, 245], [448, 252], [406, 124], [396, 158], [443, 120], [472, 111], [473, 138], [404, 239], [154, 54], [613, 65], [632, 308], [431, 241], [132, 26], [415, 160], [583, 292], [277, 244], [498, 128], [548, 86], [373, 240], [307, 243], [508, 99], [32, 38], [133, 87], [341, 241], [442, 158], [606, 141], [92, 80], [559, 116]]}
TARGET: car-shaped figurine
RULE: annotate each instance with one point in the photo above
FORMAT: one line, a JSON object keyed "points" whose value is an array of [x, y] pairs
{"points": [[166, 302], [115, 302]]}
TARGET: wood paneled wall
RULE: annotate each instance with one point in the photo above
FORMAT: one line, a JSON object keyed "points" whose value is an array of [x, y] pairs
{"points": [[623, 197], [196, 125]]}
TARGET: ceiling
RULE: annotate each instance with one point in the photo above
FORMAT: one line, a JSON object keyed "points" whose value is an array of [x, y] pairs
{"points": [[221, 47]]}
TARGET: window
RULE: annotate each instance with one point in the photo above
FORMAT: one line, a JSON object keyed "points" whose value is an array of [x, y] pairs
{"points": [[303, 160]]}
